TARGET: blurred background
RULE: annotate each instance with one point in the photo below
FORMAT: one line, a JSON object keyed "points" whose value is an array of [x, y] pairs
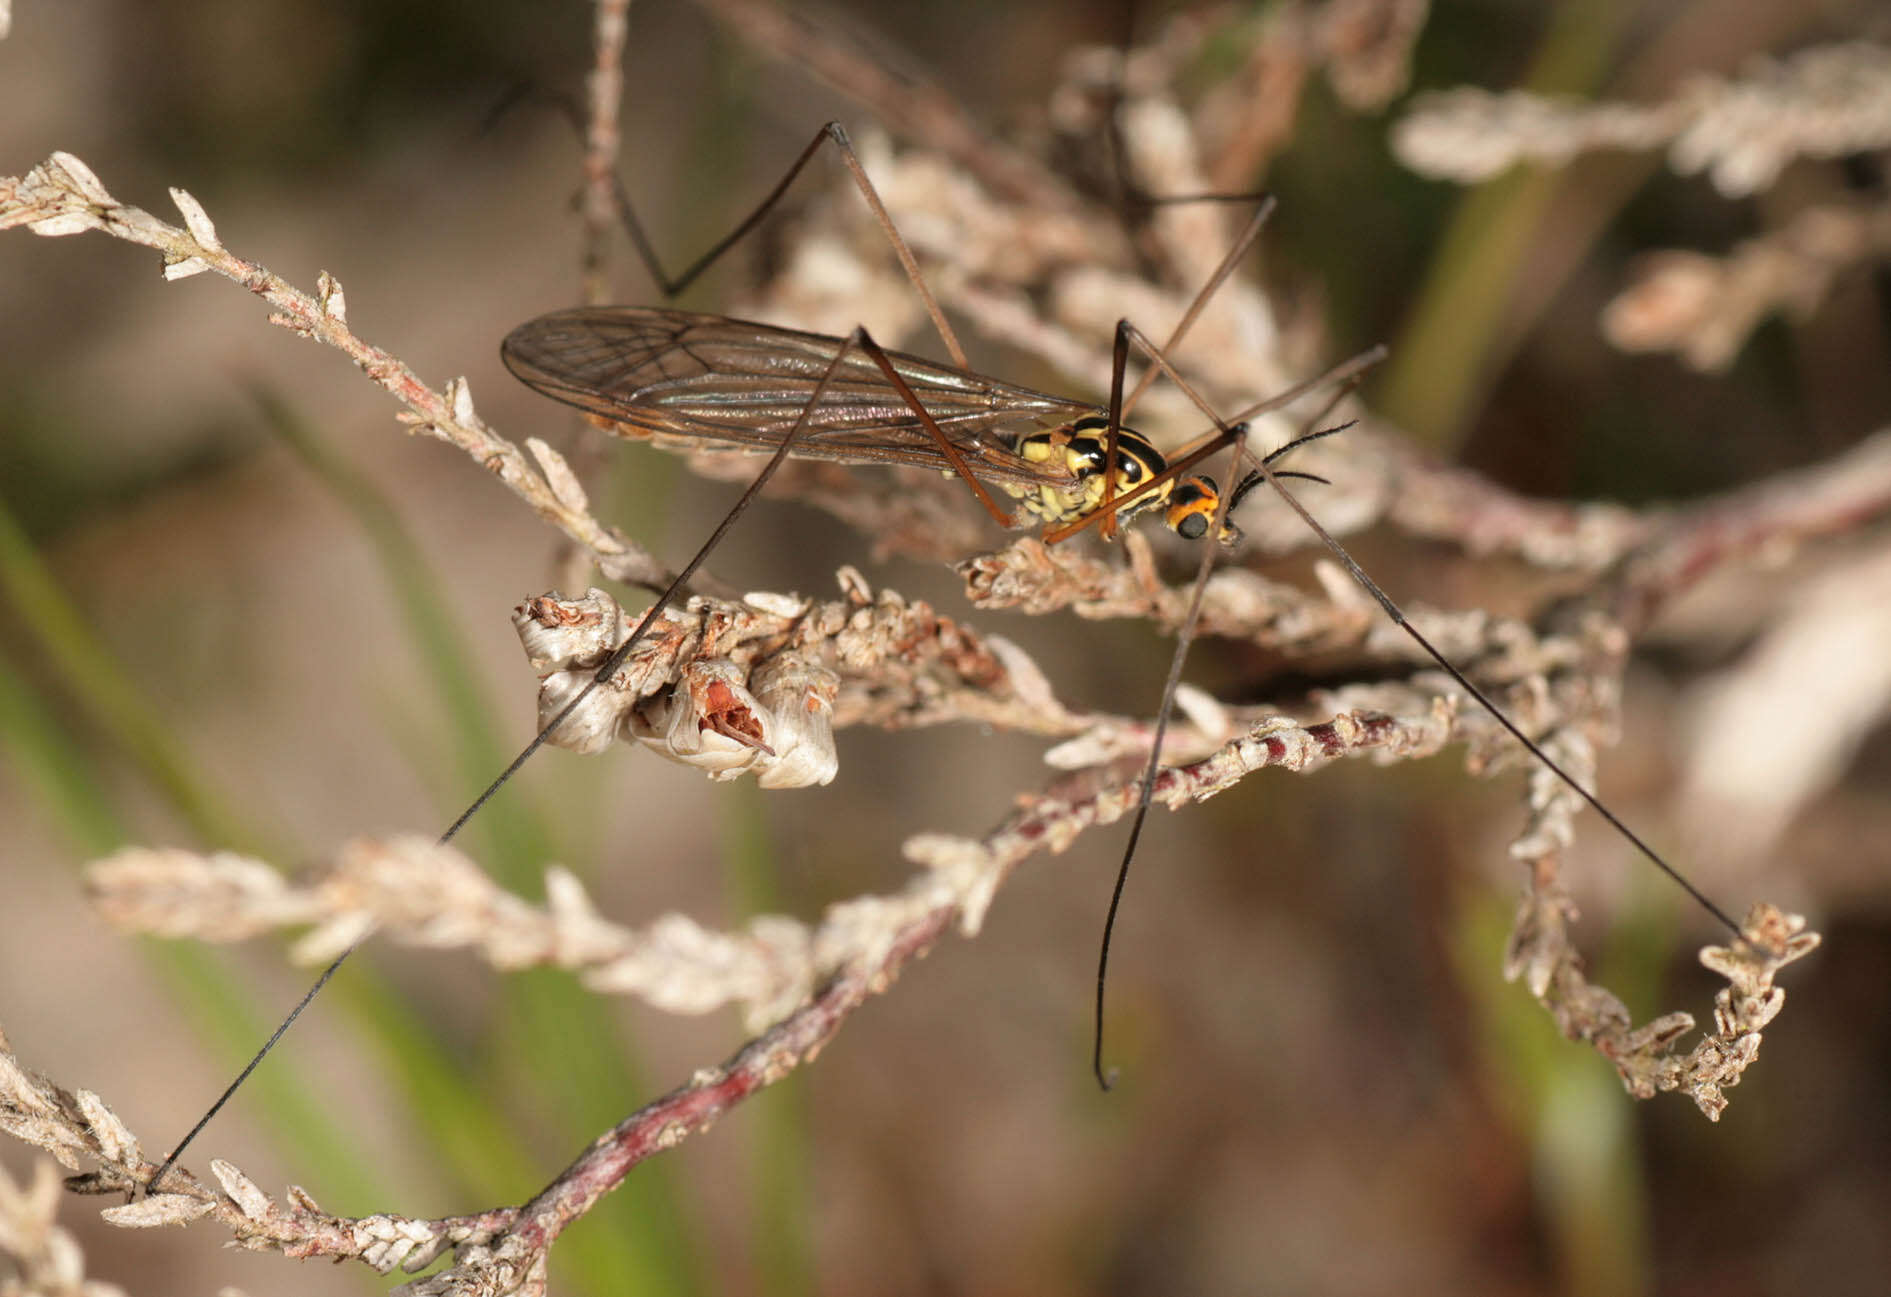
{"points": [[243, 609]]}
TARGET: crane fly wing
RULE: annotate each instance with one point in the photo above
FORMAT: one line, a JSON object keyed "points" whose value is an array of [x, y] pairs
{"points": [[673, 376]]}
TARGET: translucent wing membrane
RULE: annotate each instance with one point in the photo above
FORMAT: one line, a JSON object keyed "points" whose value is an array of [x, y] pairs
{"points": [[659, 374]]}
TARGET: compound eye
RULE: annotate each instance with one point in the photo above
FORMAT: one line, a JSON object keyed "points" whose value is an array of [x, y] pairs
{"points": [[1192, 526]]}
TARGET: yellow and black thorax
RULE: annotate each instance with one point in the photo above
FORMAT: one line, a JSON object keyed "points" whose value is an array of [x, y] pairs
{"points": [[1079, 448]]}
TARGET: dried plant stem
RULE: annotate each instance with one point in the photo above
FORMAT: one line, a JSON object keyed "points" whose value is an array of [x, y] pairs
{"points": [[1823, 500], [604, 96], [509, 1260], [62, 196], [36, 1255], [1704, 307], [1821, 102]]}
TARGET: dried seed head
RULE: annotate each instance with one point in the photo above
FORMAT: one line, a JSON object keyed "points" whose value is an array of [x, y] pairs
{"points": [[798, 694], [710, 721], [567, 640], [703, 688], [562, 634], [778, 724]]}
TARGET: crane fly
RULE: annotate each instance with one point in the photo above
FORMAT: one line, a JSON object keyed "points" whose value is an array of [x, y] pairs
{"points": [[680, 380]]}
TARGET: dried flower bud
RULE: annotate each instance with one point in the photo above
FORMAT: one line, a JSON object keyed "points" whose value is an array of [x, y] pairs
{"points": [[724, 715], [567, 640], [798, 694], [710, 721], [560, 634]]}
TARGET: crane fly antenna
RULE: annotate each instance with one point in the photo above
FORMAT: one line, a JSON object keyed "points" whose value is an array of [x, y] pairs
{"points": [[857, 339]]}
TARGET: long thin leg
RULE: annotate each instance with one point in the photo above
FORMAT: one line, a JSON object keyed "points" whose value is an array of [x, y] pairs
{"points": [[858, 338], [1236, 251], [835, 133], [1393, 611], [946, 446], [1146, 787], [1184, 639], [1185, 634], [1120, 404], [1127, 335]]}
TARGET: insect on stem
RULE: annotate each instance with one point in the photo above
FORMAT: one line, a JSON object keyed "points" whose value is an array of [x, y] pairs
{"points": [[681, 378], [1227, 434]]}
